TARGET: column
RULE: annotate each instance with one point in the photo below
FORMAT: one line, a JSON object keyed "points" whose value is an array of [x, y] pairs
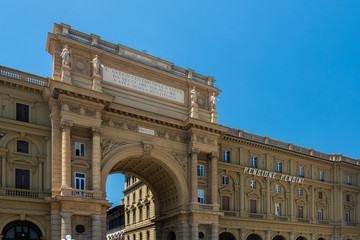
{"points": [[215, 231], [194, 231], [291, 203], [40, 187], [3, 171], [65, 224], [47, 176], [193, 174], [96, 227], [241, 234], [267, 210], [242, 196], [183, 231], [267, 235], [96, 158], [312, 213], [214, 177], [291, 236], [66, 154]]}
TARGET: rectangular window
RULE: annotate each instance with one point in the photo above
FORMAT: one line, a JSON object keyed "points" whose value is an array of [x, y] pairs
{"points": [[200, 170], [134, 216], [301, 171], [147, 190], [347, 216], [227, 156], [22, 179], [225, 180], [22, 146], [277, 188], [279, 167], [300, 192], [128, 217], [79, 149], [253, 206], [252, 184], [321, 176], [22, 112], [128, 200], [140, 193], [254, 162], [277, 209], [80, 181], [201, 196], [300, 211], [320, 214], [225, 203], [349, 180], [320, 195], [147, 211], [140, 214]]}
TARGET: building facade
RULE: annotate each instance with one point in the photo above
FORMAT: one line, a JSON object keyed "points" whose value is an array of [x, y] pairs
{"points": [[110, 109], [115, 223]]}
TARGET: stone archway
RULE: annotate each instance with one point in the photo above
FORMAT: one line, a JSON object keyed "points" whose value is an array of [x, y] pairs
{"points": [[301, 238], [157, 169], [23, 230], [253, 236], [278, 237], [226, 236]]}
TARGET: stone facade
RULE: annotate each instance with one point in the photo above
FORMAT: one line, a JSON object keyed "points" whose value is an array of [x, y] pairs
{"points": [[62, 136]]}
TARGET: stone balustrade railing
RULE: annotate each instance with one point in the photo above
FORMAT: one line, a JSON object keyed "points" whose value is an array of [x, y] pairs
{"points": [[15, 74], [94, 40], [291, 147], [15, 192]]}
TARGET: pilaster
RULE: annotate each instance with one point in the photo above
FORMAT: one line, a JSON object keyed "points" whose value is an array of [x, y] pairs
{"points": [[66, 154], [193, 172], [65, 224], [96, 158], [214, 177], [96, 227]]}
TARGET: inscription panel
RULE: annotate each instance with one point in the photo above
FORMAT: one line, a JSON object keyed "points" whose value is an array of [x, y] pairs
{"points": [[141, 84]]}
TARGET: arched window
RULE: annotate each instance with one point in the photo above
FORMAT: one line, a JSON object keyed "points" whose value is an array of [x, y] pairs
{"points": [[21, 230], [348, 198], [226, 180]]}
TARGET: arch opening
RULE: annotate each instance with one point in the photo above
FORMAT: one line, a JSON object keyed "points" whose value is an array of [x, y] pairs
{"points": [[227, 236], [21, 230], [253, 236], [278, 237]]}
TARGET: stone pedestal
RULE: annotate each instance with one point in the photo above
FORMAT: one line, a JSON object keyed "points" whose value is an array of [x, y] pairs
{"points": [[65, 74], [213, 116], [194, 111], [96, 85]]}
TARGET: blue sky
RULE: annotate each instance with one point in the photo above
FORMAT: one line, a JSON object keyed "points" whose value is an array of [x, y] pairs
{"points": [[288, 70]]}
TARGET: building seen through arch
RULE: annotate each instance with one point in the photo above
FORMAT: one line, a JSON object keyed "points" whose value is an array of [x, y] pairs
{"points": [[109, 109]]}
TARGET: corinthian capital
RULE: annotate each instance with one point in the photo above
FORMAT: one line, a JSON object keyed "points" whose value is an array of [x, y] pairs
{"points": [[96, 130], [65, 124], [215, 155]]}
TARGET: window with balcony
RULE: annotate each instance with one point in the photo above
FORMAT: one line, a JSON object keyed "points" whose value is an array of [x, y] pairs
{"points": [[79, 149], [253, 206], [22, 146], [279, 167], [201, 196], [347, 215], [200, 170], [225, 203], [80, 180], [22, 179], [22, 112], [227, 156], [278, 209], [254, 162], [320, 214], [300, 212]]}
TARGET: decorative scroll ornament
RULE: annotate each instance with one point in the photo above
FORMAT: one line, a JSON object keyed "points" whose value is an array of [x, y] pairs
{"points": [[108, 145]]}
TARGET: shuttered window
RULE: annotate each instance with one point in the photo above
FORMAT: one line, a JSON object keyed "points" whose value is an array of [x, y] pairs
{"points": [[253, 206], [225, 203], [22, 179], [22, 112]]}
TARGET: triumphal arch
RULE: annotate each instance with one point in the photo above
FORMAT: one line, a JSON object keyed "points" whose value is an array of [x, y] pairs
{"points": [[118, 110]]}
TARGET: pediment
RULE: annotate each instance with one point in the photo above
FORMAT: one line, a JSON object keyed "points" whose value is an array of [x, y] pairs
{"points": [[22, 161], [80, 163], [278, 197], [300, 201], [348, 206], [252, 194], [225, 190]]}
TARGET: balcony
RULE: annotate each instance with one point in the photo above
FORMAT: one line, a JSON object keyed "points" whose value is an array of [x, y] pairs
{"points": [[23, 193]]}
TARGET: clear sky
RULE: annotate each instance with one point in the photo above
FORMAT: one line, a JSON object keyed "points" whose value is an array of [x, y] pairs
{"points": [[288, 70]]}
